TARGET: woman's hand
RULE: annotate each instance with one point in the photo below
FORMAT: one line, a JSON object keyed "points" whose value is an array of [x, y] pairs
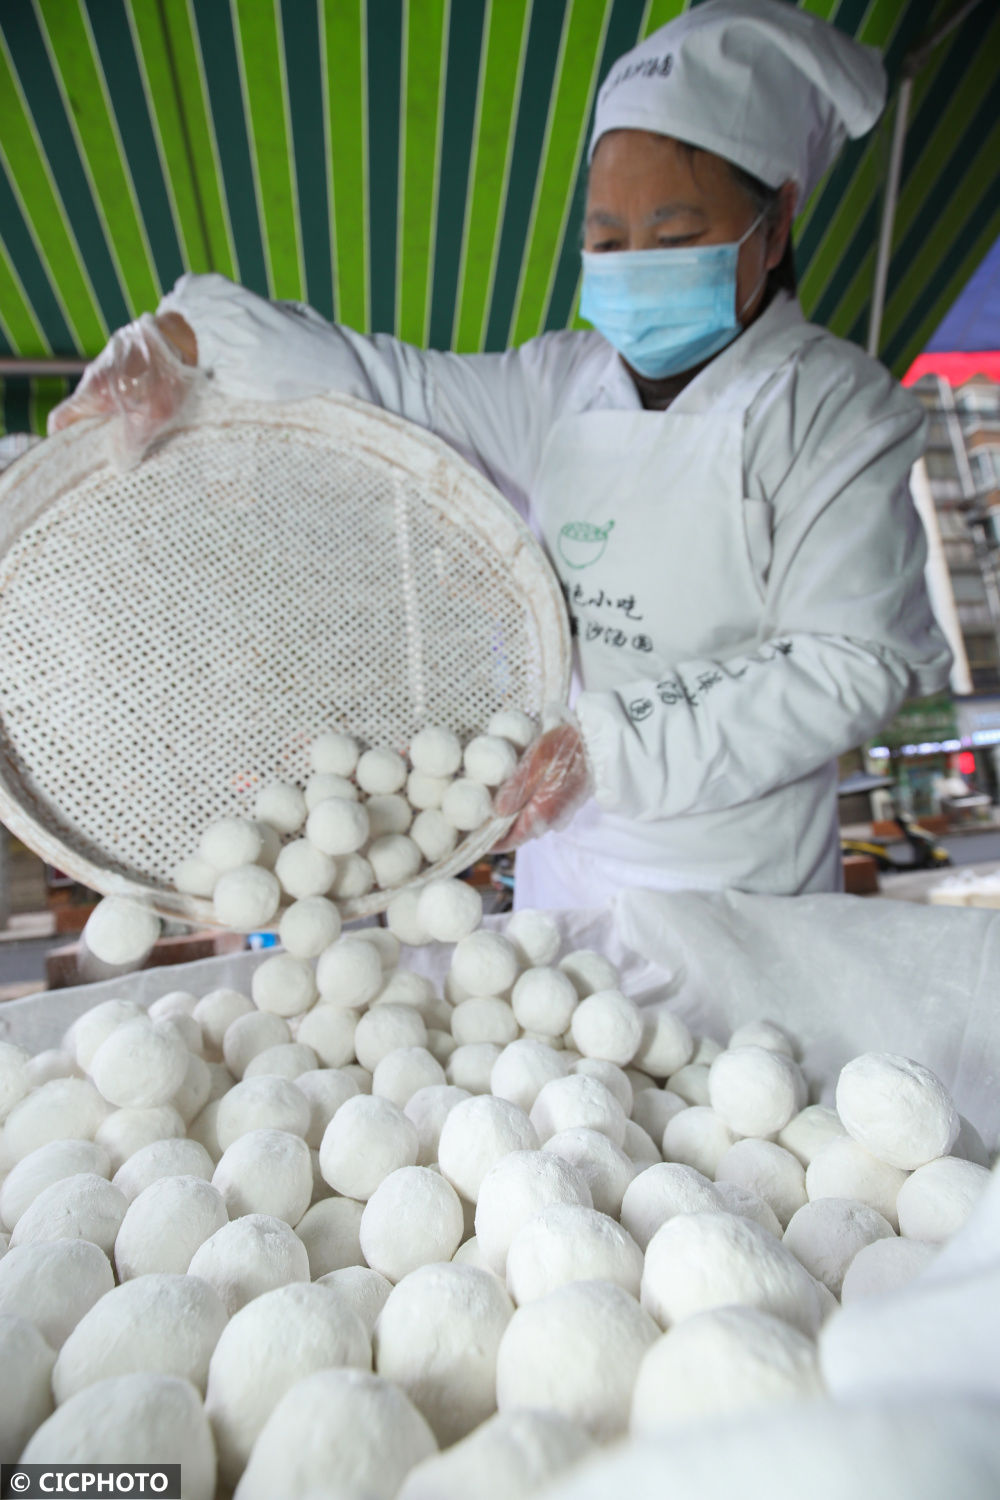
{"points": [[551, 781], [142, 380]]}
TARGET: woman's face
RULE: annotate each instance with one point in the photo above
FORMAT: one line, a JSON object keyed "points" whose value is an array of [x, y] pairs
{"points": [[648, 192]]}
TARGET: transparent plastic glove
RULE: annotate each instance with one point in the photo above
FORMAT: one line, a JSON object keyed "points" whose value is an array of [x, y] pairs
{"points": [[552, 780], [140, 381]]}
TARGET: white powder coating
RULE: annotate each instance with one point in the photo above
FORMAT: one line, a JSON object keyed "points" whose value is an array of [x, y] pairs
{"points": [[666, 1043], [304, 870], [427, 1110], [349, 973], [389, 813], [436, 751], [437, 1339], [607, 1025], [164, 1225], [886, 1265], [340, 1431], [246, 899], [403, 919], [353, 876], [380, 771], [844, 1169], [426, 793], [690, 1083], [251, 1255], [192, 1096], [767, 1169], [334, 753], [535, 935], [606, 1169], [329, 1031], [195, 876], [484, 1020], [164, 1325], [467, 804], [756, 1091], [54, 1284], [763, 1033], [543, 1001], [121, 932], [327, 784], [361, 1076], [476, 1135], [160, 1159], [40, 1169], [89, 1030], [140, 1064], [366, 1140], [897, 1109], [53, 1062], [85, 1207], [283, 985], [698, 1138], [589, 971], [722, 1362], [287, 1060], [126, 1131], [509, 1456], [809, 1130], [936, 1200], [826, 1236], [703, 1260], [215, 1013], [449, 910], [130, 1420], [576, 1100], [640, 1147], [309, 926], [383, 1029], [653, 1108], [338, 826], [363, 1289], [261, 1104], [748, 1205], [441, 1044], [405, 1072], [26, 1362], [282, 805], [610, 1074], [66, 1109], [331, 1233], [230, 842], [13, 1076], [325, 1090], [220, 1081], [266, 1172], [265, 1349], [511, 724], [484, 963], [577, 1352], [490, 759], [566, 1242], [471, 1067], [413, 1218], [659, 1193], [514, 1191]]}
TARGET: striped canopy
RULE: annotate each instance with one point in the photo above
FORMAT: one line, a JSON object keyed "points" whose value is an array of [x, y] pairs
{"points": [[414, 166]]}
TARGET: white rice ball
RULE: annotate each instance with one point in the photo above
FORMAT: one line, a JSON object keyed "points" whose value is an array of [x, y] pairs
{"points": [[84, 1207], [403, 918], [484, 1020], [388, 813], [282, 805], [161, 1159], [426, 792], [413, 1218], [386, 1028], [51, 1063], [309, 926], [748, 1205], [283, 985], [513, 1191], [607, 1025], [64, 1109], [471, 1066], [214, 1013], [363, 1289], [194, 876], [427, 1109], [304, 870], [589, 971], [436, 751], [50, 1163], [809, 1130], [381, 771], [53, 1284], [121, 932], [755, 1091], [386, 944], [844, 1169], [353, 877], [331, 1232], [660, 1193], [544, 1001], [405, 1072], [886, 1265], [248, 1256], [467, 804], [286, 1060], [506, 1457], [513, 725], [576, 1100], [95, 1025], [523, 1069], [26, 1362], [394, 859], [349, 973], [231, 842], [477, 1134], [329, 1031], [605, 1168], [653, 1108], [334, 753], [763, 1033], [535, 935], [767, 1169], [610, 1075], [570, 1242], [666, 1043], [250, 1034], [366, 1140], [936, 1200], [690, 1083], [897, 1109], [141, 1064], [164, 1225], [326, 785], [13, 1076], [449, 910], [640, 1147], [266, 1172], [484, 963], [325, 1090], [268, 1103], [826, 1236], [338, 826], [489, 759]]}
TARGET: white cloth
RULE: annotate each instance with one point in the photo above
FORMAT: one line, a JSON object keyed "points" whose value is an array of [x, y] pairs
{"points": [[765, 85], [757, 608]]}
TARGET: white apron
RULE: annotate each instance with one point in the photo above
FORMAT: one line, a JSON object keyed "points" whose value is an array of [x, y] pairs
{"points": [[663, 558]]}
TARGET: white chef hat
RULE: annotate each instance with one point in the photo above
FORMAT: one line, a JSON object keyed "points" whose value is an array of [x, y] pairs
{"points": [[761, 83]]}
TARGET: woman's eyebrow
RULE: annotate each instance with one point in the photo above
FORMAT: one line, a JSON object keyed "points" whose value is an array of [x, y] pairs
{"points": [[674, 210]]}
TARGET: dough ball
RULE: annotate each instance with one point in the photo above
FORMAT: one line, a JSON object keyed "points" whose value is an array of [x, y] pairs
{"points": [[576, 1351], [331, 1233], [366, 1140], [568, 1242], [653, 1108], [363, 1289], [611, 1076], [164, 1225], [755, 1091], [246, 899], [514, 1191], [413, 1218], [844, 1169], [605, 1168], [513, 725], [748, 1205], [92, 1028], [309, 926], [666, 1043], [349, 973], [67, 1109], [281, 805], [505, 1458], [394, 859], [535, 935], [659, 1193], [436, 751], [231, 842], [640, 1147], [427, 1109], [40, 1169], [338, 826], [85, 1207], [157, 1324], [381, 771], [26, 1362], [476, 1135], [403, 918], [826, 1236], [385, 1028], [159, 1160], [544, 1000], [215, 1013], [250, 1034], [353, 877], [266, 1172], [304, 870], [762, 1033], [484, 1020], [325, 1090], [590, 972], [467, 804], [121, 932], [13, 1076], [194, 877], [441, 1044], [333, 753], [697, 1261], [361, 1076], [342, 1431], [141, 1064], [768, 1170], [449, 910], [389, 813], [425, 792], [52, 1063], [725, 1361], [471, 1067], [248, 1256], [283, 985], [606, 1025], [266, 1348], [523, 1069], [433, 835], [437, 1339], [809, 1130], [287, 1060], [690, 1083], [326, 785], [897, 1109], [53, 1284], [404, 1072], [131, 1420], [270, 846], [203, 1130], [489, 759], [329, 1031], [886, 1265], [261, 1104], [936, 1200], [576, 1100]]}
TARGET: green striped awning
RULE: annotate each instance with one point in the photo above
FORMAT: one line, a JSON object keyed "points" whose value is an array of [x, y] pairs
{"points": [[413, 166]]}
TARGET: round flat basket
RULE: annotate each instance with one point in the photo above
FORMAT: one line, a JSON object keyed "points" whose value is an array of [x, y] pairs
{"points": [[174, 638]]}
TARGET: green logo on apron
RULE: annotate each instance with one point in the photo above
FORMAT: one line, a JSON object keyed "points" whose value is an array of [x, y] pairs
{"points": [[581, 545]]}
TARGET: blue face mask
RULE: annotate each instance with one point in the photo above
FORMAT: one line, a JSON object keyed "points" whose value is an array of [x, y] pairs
{"points": [[665, 311]]}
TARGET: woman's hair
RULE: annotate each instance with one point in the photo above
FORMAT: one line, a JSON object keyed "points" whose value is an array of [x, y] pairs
{"points": [[767, 201]]}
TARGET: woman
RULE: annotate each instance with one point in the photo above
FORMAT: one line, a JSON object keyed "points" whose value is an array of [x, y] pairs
{"points": [[721, 486]]}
